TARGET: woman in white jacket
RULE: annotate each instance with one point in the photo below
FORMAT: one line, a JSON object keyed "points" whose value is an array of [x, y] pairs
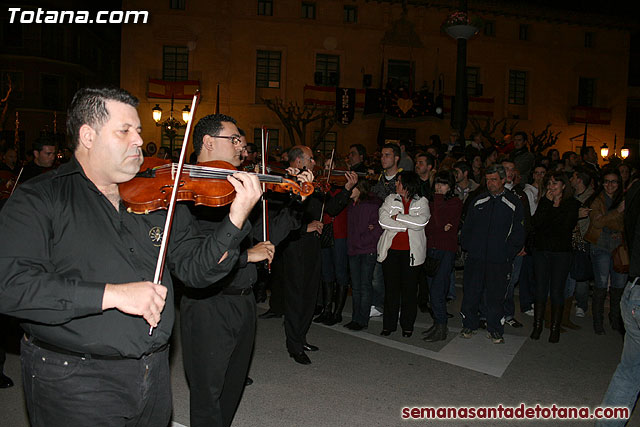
{"points": [[401, 250]]}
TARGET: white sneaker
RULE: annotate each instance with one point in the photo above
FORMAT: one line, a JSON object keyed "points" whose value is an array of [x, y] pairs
{"points": [[529, 312], [375, 312], [579, 312]]}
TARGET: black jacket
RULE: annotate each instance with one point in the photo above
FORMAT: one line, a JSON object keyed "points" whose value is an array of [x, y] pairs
{"points": [[493, 230]]}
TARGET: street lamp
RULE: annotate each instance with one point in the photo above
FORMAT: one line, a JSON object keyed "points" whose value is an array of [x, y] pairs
{"points": [[170, 125], [624, 151], [604, 151]]}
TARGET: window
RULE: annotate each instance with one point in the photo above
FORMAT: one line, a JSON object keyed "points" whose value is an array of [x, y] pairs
{"points": [[327, 70], [268, 68], [17, 84], [175, 63], [588, 39], [274, 138], [474, 88], [586, 91], [308, 10], [52, 93], [523, 33], [400, 74], [490, 28], [265, 7], [328, 143], [517, 87], [351, 14], [176, 4]]}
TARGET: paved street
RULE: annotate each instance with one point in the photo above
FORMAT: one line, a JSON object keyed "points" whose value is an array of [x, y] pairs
{"points": [[363, 379]]}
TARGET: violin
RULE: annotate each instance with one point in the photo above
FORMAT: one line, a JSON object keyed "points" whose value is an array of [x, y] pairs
{"points": [[338, 177], [204, 183]]}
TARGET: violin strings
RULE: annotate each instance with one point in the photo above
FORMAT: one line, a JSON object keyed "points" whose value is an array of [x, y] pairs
{"points": [[196, 171]]}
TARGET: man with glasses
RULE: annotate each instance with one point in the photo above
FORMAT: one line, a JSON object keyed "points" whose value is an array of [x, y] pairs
{"points": [[357, 156], [218, 322]]}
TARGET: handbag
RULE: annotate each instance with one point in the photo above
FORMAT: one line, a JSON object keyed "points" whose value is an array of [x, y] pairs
{"points": [[620, 256], [326, 238], [431, 266], [581, 266]]}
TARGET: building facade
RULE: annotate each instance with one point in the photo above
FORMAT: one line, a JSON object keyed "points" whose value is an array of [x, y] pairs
{"points": [[530, 66]]}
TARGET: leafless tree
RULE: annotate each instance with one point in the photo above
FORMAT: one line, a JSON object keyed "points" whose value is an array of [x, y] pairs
{"points": [[543, 140], [295, 119]]}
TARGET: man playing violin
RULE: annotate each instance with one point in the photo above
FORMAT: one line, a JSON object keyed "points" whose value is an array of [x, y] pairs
{"points": [[218, 322], [301, 255], [75, 267]]}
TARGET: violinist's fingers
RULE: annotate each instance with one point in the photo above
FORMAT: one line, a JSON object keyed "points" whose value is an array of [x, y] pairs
{"points": [[352, 180], [293, 171], [248, 192], [305, 176]]}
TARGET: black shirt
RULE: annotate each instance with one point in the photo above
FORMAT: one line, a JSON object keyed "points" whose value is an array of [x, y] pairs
{"points": [[554, 225], [62, 240], [244, 273]]}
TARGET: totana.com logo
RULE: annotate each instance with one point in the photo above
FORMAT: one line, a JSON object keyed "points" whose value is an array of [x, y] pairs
{"points": [[41, 16]]}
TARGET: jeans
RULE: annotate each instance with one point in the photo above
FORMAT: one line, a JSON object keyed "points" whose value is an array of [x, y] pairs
{"points": [[552, 270], [451, 294], [335, 263], [603, 268], [579, 290], [361, 267], [439, 284], [509, 306], [378, 286], [625, 383], [63, 390]]}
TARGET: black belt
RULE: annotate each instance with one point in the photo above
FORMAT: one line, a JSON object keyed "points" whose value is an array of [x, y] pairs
{"points": [[235, 291], [45, 345]]}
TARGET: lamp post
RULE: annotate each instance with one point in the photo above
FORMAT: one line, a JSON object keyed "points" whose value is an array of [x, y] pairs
{"points": [[461, 33], [171, 125]]}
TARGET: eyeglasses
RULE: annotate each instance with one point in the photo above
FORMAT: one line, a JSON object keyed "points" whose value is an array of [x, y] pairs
{"points": [[235, 139], [610, 181]]}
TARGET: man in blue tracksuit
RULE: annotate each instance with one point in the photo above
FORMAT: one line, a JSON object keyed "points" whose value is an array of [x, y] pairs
{"points": [[493, 234]]}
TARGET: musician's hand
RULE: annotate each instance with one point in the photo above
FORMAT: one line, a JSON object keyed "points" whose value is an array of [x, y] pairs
{"points": [[261, 251], [315, 226], [448, 227], [293, 171], [352, 180], [248, 192], [144, 299], [304, 176]]}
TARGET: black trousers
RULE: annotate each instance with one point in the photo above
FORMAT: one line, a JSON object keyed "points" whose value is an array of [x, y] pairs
{"points": [[62, 390], [275, 280], [217, 340], [551, 271], [302, 281], [478, 275], [400, 291]]}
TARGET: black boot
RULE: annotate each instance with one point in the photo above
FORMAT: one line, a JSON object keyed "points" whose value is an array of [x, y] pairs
{"points": [[538, 319], [615, 317], [597, 307], [439, 333], [327, 298], [341, 298], [556, 319]]}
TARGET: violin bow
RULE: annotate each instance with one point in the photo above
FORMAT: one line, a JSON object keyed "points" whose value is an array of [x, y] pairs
{"points": [[157, 278], [15, 184], [265, 205]]}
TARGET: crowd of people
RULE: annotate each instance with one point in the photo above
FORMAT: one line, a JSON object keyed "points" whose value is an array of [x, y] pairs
{"points": [[392, 227]]}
